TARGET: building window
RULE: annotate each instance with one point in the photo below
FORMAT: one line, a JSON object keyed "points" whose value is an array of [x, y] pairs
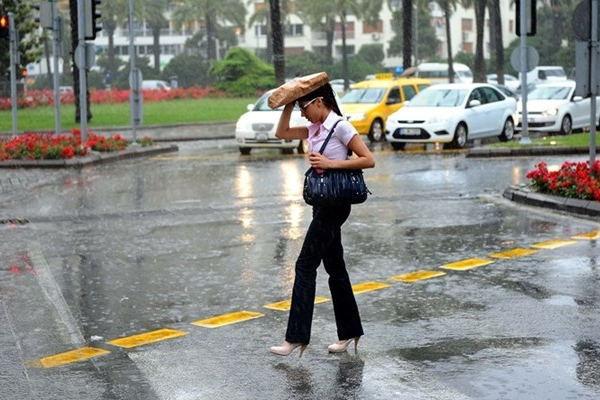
{"points": [[467, 24], [377, 28], [260, 30]]}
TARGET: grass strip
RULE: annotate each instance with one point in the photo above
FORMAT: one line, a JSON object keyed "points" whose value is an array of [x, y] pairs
{"points": [[186, 111], [574, 140]]}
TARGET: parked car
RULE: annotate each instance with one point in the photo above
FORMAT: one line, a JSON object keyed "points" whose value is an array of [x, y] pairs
{"points": [[256, 128], [338, 85], [510, 81], [452, 114], [554, 108], [368, 103], [155, 85]]}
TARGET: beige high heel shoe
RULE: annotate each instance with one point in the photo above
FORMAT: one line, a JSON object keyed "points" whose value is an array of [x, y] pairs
{"points": [[341, 345], [286, 348]]}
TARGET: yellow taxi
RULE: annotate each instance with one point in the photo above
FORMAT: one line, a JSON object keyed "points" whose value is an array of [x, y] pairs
{"points": [[368, 104]]}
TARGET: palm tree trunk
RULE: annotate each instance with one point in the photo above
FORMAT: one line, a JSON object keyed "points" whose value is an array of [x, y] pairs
{"points": [[406, 33], [156, 49], [479, 73], [277, 38], [446, 8], [496, 38], [344, 53]]}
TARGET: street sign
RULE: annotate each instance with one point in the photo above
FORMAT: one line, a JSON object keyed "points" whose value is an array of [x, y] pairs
{"points": [[582, 20], [533, 58]]}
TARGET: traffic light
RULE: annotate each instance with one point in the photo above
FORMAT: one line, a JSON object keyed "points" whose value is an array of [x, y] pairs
{"points": [[92, 18], [45, 16], [4, 28]]}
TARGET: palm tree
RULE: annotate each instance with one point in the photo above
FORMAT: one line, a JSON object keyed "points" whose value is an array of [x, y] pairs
{"points": [[114, 13], [407, 6], [479, 66], [153, 12], [447, 6], [319, 14], [496, 38], [277, 40], [209, 12]]}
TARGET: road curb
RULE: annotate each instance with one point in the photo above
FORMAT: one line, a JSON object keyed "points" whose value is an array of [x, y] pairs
{"points": [[528, 151], [132, 151], [523, 195]]}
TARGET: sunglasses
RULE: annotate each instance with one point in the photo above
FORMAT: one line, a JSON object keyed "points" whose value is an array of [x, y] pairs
{"points": [[304, 107]]}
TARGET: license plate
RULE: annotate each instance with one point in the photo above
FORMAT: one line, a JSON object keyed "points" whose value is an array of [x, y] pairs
{"points": [[410, 131], [262, 137]]}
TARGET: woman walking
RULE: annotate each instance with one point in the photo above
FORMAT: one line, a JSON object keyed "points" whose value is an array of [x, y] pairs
{"points": [[323, 241]]}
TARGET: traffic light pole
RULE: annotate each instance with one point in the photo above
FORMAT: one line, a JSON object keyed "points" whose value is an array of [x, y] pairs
{"points": [[13, 70], [83, 112]]}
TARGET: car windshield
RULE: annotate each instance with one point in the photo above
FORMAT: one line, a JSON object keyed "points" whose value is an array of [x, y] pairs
{"points": [[549, 93], [432, 97], [263, 104], [368, 95]]}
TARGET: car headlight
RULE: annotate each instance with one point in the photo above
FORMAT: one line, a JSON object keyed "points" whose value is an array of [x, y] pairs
{"points": [[550, 112], [357, 117]]}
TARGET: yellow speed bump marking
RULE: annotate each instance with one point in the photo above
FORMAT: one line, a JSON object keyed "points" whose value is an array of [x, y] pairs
{"points": [[588, 236], [286, 304], [518, 252], [227, 319], [81, 354], [467, 264], [417, 276], [147, 338], [368, 286], [553, 244]]}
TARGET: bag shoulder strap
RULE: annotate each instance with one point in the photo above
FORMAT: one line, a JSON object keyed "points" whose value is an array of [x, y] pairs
{"points": [[329, 136]]}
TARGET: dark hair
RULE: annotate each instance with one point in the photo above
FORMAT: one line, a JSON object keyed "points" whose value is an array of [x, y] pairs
{"points": [[326, 93]]}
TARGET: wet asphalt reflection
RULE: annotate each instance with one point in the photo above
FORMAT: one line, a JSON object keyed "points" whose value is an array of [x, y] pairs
{"points": [[121, 249]]}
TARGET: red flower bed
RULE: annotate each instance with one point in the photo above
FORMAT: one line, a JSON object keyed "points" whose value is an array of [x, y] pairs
{"points": [[48, 146], [573, 180], [37, 98]]}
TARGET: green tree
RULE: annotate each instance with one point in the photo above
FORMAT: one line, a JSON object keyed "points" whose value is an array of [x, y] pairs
{"points": [[242, 73], [209, 13], [189, 69], [448, 6], [30, 43]]}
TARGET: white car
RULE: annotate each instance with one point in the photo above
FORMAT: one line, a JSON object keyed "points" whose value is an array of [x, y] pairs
{"points": [[510, 81], [554, 108], [451, 114], [155, 85], [256, 128], [338, 85]]}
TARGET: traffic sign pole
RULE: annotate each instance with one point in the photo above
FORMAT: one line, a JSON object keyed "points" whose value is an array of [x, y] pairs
{"points": [[523, 27]]}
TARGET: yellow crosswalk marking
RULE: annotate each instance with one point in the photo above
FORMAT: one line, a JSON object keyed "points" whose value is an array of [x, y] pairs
{"points": [[417, 276], [588, 236], [227, 319], [518, 252], [286, 304], [553, 244], [467, 264], [68, 357], [368, 286], [147, 338]]}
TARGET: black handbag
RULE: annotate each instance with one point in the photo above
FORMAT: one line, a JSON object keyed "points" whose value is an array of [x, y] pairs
{"points": [[333, 187]]}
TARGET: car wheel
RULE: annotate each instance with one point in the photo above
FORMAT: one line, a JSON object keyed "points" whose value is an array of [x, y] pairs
{"points": [[303, 147], [245, 151], [508, 132], [376, 131], [460, 137], [566, 126], [398, 146]]}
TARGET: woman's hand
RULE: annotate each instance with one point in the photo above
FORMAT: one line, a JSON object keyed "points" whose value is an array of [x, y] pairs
{"points": [[319, 161]]}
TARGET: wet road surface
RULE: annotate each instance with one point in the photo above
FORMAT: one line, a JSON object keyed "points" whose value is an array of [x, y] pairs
{"points": [[152, 246]]}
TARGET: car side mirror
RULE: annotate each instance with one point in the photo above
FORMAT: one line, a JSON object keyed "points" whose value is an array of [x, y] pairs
{"points": [[577, 98], [250, 107], [474, 103]]}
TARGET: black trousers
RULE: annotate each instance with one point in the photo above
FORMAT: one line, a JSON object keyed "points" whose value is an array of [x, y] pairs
{"points": [[323, 242]]}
